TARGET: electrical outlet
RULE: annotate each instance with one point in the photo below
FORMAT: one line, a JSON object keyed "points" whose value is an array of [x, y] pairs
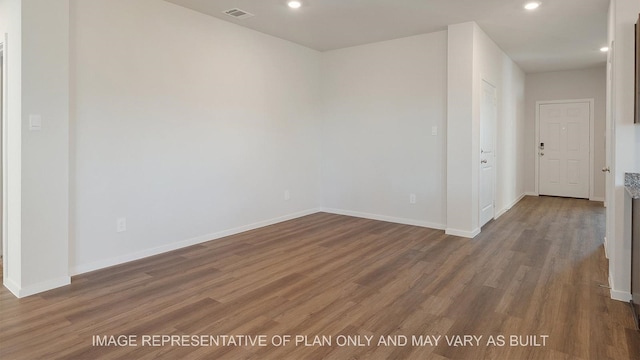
{"points": [[287, 195], [412, 198], [121, 224], [434, 130]]}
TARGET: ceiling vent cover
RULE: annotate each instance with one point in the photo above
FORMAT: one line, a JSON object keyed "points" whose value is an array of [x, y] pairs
{"points": [[238, 14]]}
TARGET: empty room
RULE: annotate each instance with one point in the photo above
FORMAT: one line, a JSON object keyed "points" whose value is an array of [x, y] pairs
{"points": [[320, 179]]}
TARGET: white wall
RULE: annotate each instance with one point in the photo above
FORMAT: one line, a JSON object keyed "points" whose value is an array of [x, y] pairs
{"points": [[45, 153], [566, 85], [188, 126], [622, 17], [474, 57], [380, 102]]}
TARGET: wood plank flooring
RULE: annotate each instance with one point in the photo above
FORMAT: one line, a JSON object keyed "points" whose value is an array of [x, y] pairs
{"points": [[535, 271]]}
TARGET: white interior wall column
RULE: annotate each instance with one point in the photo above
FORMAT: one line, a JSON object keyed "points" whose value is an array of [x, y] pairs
{"points": [[462, 180], [627, 142], [39, 227], [10, 25]]}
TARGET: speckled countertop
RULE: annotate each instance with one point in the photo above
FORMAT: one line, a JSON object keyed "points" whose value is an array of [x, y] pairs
{"points": [[632, 184]]}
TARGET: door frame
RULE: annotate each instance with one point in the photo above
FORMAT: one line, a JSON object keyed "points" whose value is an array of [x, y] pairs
{"points": [[610, 150], [591, 102], [495, 151], [3, 155]]}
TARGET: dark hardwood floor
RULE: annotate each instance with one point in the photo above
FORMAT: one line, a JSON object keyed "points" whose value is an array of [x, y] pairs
{"points": [[537, 271]]}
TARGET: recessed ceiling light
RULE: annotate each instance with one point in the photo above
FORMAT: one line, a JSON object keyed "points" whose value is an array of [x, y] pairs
{"points": [[532, 5], [604, 49], [294, 4]]}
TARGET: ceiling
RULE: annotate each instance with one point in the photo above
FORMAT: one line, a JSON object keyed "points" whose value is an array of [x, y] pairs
{"points": [[559, 35]]}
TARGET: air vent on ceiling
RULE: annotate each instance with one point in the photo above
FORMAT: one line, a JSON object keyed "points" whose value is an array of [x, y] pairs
{"points": [[238, 14]]}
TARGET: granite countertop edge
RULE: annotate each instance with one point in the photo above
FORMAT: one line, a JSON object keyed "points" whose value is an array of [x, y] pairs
{"points": [[632, 184]]}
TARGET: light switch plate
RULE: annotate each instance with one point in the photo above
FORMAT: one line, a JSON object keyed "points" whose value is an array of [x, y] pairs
{"points": [[35, 122], [121, 224], [434, 130]]}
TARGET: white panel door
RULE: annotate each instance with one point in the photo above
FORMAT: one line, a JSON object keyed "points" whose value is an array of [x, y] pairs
{"points": [[488, 117], [563, 150]]}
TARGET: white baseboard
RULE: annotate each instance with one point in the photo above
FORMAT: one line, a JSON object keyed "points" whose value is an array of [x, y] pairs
{"points": [[392, 219], [531, 194], [11, 286], [601, 199], [606, 246], [517, 200], [503, 211], [618, 295], [21, 292], [81, 269], [462, 233]]}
